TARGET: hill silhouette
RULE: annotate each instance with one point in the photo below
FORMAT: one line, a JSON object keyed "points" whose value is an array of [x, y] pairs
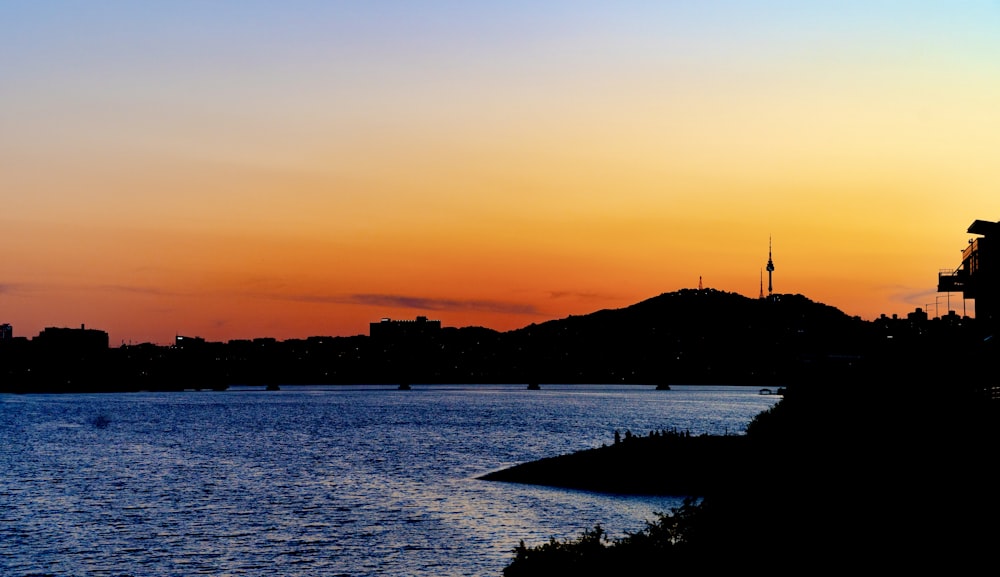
{"points": [[692, 336]]}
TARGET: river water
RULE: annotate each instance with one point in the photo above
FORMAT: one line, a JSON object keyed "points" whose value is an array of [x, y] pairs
{"points": [[317, 481]]}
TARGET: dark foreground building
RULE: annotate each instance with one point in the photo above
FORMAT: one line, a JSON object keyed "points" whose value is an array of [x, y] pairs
{"points": [[978, 277]]}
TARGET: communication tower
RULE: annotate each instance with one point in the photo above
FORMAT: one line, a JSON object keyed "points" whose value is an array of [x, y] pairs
{"points": [[770, 269]]}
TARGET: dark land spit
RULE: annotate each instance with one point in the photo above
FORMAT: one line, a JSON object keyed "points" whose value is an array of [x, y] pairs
{"points": [[655, 464]]}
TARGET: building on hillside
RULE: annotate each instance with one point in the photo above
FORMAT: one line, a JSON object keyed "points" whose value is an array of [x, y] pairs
{"points": [[183, 342], [394, 330]]}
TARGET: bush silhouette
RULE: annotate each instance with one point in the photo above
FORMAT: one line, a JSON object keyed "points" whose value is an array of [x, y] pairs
{"points": [[663, 544]]}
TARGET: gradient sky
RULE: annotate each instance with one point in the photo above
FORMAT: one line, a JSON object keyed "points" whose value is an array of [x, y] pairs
{"points": [[291, 169]]}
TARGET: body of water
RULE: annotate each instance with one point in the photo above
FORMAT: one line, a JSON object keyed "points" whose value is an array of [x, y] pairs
{"points": [[317, 481]]}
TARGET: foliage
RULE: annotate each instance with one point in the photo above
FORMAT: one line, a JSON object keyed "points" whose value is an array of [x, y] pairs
{"points": [[648, 551], [769, 423]]}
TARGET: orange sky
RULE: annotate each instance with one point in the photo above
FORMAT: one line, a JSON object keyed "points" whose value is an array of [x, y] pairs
{"points": [[241, 170]]}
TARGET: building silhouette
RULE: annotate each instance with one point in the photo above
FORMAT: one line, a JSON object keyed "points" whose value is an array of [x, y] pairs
{"points": [[82, 340], [978, 276], [918, 315], [6, 332], [390, 329]]}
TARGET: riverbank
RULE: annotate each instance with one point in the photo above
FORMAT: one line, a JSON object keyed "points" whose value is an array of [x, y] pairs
{"points": [[898, 479], [658, 463]]}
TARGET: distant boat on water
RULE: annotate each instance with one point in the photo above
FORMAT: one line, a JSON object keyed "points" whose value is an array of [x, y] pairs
{"points": [[663, 387], [534, 387], [273, 387], [404, 387]]}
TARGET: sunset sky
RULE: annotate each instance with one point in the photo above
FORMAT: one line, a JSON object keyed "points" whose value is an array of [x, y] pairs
{"points": [[290, 169]]}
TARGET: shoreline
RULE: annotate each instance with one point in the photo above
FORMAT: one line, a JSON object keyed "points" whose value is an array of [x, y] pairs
{"points": [[663, 464]]}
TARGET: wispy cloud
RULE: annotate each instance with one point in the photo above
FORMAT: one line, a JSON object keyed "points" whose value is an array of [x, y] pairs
{"points": [[30, 288], [21, 288], [143, 290], [929, 300], [918, 298], [435, 304], [419, 303], [583, 295]]}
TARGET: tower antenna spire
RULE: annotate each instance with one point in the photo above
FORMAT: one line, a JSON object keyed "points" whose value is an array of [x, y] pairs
{"points": [[770, 269]]}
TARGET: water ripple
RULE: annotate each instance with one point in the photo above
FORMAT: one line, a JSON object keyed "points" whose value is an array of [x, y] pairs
{"points": [[332, 481]]}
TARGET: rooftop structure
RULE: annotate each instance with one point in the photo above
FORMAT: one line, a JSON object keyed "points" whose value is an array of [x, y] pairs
{"points": [[978, 276], [389, 328], [79, 340]]}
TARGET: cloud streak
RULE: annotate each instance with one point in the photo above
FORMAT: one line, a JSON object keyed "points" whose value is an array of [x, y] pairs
{"points": [[23, 289], [141, 290], [435, 304], [584, 295], [419, 303]]}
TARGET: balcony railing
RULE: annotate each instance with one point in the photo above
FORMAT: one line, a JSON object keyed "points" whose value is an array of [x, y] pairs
{"points": [[952, 281]]}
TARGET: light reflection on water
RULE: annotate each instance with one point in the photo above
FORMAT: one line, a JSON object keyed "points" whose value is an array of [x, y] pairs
{"points": [[317, 480]]}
